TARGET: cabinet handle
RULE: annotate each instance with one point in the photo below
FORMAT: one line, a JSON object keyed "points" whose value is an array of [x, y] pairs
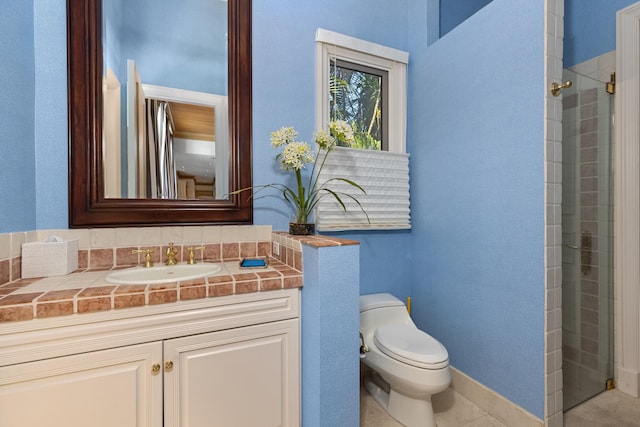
{"points": [[168, 365], [155, 368]]}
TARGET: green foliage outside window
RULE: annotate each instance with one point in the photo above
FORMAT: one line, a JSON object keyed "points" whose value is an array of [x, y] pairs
{"points": [[356, 96]]}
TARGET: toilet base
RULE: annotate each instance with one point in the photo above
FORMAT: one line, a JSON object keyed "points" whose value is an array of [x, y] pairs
{"points": [[408, 411]]}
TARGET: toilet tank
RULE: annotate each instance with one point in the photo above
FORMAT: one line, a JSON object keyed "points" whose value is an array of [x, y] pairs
{"points": [[381, 309]]}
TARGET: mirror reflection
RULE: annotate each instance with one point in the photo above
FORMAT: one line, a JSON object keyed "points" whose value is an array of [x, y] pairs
{"points": [[165, 106]]}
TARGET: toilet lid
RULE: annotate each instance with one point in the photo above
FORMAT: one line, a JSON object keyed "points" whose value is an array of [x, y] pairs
{"points": [[410, 345]]}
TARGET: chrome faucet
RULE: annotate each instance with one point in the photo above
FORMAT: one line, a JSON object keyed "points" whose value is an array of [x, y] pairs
{"points": [[171, 255]]}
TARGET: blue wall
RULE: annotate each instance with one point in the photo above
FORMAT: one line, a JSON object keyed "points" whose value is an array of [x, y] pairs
{"points": [[476, 139], [111, 46], [162, 36], [385, 261], [17, 158], [454, 12], [51, 132], [329, 330], [590, 28]]}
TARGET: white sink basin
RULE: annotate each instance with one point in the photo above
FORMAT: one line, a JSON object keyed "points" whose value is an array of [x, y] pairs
{"points": [[162, 274]]}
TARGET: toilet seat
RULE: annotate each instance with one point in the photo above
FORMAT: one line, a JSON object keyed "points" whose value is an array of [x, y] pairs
{"points": [[410, 345]]}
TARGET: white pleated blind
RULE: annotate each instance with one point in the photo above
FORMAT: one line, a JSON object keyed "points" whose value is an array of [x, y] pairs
{"points": [[385, 178]]}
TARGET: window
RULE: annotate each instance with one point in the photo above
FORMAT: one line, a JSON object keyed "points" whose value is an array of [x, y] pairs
{"points": [[358, 95], [364, 84], [339, 56]]}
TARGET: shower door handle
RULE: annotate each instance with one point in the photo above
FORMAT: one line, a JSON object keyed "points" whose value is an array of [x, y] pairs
{"points": [[585, 251], [586, 242]]}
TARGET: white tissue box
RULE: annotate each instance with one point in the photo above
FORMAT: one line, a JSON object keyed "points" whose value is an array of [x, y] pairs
{"points": [[51, 257]]}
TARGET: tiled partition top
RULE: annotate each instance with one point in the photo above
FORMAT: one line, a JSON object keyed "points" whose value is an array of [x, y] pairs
{"points": [[103, 250], [295, 243]]}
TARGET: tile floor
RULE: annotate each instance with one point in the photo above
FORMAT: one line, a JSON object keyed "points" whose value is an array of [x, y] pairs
{"points": [[451, 410], [609, 409]]}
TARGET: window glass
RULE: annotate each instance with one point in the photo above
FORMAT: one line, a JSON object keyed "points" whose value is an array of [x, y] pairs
{"points": [[357, 95]]}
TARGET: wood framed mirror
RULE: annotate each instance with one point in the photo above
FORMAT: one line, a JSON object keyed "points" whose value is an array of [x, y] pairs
{"points": [[88, 206]]}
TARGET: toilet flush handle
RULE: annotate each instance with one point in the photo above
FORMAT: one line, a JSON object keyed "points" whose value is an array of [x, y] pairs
{"points": [[363, 347]]}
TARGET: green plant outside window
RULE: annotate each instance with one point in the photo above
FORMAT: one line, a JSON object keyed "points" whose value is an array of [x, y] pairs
{"points": [[358, 96]]}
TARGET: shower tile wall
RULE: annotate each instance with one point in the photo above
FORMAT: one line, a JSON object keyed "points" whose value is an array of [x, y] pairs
{"points": [[598, 68]]}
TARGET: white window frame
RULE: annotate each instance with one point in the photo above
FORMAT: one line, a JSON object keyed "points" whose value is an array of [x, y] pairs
{"points": [[335, 45], [383, 174]]}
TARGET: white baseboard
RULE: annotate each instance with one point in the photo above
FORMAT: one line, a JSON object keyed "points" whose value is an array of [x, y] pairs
{"points": [[628, 381], [494, 404]]}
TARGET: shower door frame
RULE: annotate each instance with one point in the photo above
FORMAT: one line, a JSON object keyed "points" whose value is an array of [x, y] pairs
{"points": [[627, 201]]}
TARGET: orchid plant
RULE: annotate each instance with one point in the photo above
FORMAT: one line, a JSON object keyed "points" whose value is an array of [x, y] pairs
{"points": [[296, 155]]}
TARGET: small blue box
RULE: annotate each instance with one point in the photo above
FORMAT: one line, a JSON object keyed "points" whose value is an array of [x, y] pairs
{"points": [[254, 263]]}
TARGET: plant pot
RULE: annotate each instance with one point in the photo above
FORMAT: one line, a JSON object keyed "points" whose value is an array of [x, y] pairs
{"points": [[301, 229]]}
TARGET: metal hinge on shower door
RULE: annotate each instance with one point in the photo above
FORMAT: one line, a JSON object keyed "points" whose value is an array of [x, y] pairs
{"points": [[611, 85]]}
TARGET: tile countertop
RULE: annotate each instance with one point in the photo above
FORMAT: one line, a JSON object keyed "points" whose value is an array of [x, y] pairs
{"points": [[88, 292]]}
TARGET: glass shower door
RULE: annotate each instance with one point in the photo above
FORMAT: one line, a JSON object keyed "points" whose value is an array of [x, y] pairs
{"points": [[587, 232]]}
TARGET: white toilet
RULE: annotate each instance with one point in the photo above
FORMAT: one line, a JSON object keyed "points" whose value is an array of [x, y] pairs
{"points": [[409, 365]]}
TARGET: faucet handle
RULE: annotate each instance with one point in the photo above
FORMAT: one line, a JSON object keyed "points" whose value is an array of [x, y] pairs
{"points": [[147, 257], [171, 254], [192, 255]]}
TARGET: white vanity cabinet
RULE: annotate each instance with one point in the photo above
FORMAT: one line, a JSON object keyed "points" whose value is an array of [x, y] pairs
{"points": [[105, 388], [229, 361], [240, 377]]}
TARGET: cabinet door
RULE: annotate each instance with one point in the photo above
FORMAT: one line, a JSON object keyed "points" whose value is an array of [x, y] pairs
{"points": [[106, 388], [244, 377]]}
